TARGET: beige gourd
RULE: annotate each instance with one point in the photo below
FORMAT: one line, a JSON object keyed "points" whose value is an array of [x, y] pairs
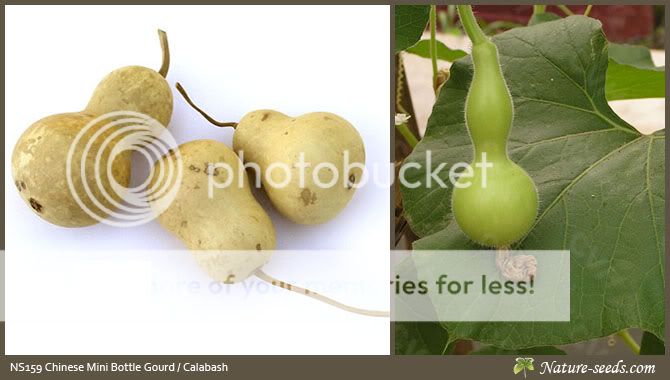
{"points": [[225, 228], [213, 214], [40, 155], [214, 227], [268, 138]]}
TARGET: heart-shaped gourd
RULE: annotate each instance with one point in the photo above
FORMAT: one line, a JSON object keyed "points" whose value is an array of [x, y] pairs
{"points": [[310, 165], [325, 142]]}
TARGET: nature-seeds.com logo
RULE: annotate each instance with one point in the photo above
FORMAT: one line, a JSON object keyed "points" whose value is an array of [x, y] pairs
{"points": [[523, 364]]}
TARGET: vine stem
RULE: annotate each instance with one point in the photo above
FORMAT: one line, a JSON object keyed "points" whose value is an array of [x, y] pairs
{"points": [[306, 292], [469, 22], [165, 65], [433, 44], [588, 10], [201, 112], [630, 342], [565, 9], [399, 88], [407, 134]]}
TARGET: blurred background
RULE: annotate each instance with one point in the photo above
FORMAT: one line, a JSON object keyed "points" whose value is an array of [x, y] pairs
{"points": [[631, 24]]}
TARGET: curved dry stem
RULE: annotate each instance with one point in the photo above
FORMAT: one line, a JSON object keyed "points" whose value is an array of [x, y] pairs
{"points": [[200, 111], [515, 267], [587, 11], [285, 285], [565, 10], [165, 65]]}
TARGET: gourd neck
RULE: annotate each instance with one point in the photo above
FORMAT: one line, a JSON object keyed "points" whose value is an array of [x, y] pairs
{"points": [[486, 61], [495, 152], [475, 33]]}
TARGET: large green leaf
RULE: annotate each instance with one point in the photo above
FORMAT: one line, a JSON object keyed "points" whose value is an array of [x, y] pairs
{"points": [[600, 183], [420, 338], [631, 74], [633, 55], [410, 22], [422, 49], [541, 350]]}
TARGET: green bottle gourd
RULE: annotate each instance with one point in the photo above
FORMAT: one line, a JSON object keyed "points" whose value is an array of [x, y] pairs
{"points": [[500, 204]]}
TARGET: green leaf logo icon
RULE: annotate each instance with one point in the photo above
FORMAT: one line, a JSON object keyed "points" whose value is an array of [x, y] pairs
{"points": [[523, 364]]}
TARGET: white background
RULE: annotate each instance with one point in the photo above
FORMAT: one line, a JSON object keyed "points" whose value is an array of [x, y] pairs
{"points": [[232, 60]]}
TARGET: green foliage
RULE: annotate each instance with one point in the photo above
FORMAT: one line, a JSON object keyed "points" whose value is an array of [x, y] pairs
{"points": [[410, 22], [600, 183], [422, 49], [420, 338], [631, 74], [541, 350]]}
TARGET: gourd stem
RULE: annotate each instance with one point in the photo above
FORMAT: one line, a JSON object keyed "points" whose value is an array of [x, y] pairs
{"points": [[285, 285], [433, 44], [537, 9], [203, 113], [565, 10], [630, 342], [470, 25], [588, 10], [165, 65]]}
